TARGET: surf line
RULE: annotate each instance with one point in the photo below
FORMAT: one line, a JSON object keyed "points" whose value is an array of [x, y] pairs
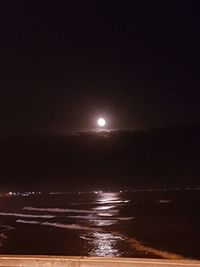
{"points": [[137, 245], [134, 243]]}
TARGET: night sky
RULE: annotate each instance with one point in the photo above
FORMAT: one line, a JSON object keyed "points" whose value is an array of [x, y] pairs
{"points": [[65, 63]]}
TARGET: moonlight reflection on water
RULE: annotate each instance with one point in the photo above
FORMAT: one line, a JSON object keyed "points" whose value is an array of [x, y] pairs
{"points": [[105, 244]]}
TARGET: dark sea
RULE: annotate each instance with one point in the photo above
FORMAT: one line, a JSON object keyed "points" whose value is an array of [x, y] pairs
{"points": [[138, 223]]}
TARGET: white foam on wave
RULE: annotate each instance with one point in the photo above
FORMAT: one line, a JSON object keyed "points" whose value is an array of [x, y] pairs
{"points": [[104, 207], [84, 217], [27, 222], [61, 225], [103, 222], [100, 202], [6, 227], [3, 236], [3, 232], [113, 201], [163, 201], [91, 217], [26, 215], [61, 210]]}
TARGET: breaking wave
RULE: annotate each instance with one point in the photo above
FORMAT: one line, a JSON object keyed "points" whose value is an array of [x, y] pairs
{"points": [[61, 225], [91, 217], [163, 201], [26, 215], [99, 202], [6, 227], [112, 201], [104, 208], [3, 232], [135, 244], [62, 210]]}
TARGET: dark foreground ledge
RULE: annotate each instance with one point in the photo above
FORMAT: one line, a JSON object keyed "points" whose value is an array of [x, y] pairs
{"points": [[48, 261]]}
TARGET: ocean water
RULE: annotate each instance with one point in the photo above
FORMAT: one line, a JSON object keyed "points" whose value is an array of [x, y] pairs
{"points": [[136, 223]]}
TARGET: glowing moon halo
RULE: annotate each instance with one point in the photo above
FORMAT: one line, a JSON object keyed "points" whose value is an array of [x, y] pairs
{"points": [[101, 122]]}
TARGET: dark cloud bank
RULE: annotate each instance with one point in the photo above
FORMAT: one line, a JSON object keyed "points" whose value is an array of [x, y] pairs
{"points": [[105, 160]]}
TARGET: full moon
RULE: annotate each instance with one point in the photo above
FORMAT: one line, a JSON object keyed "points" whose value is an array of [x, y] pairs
{"points": [[101, 122]]}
